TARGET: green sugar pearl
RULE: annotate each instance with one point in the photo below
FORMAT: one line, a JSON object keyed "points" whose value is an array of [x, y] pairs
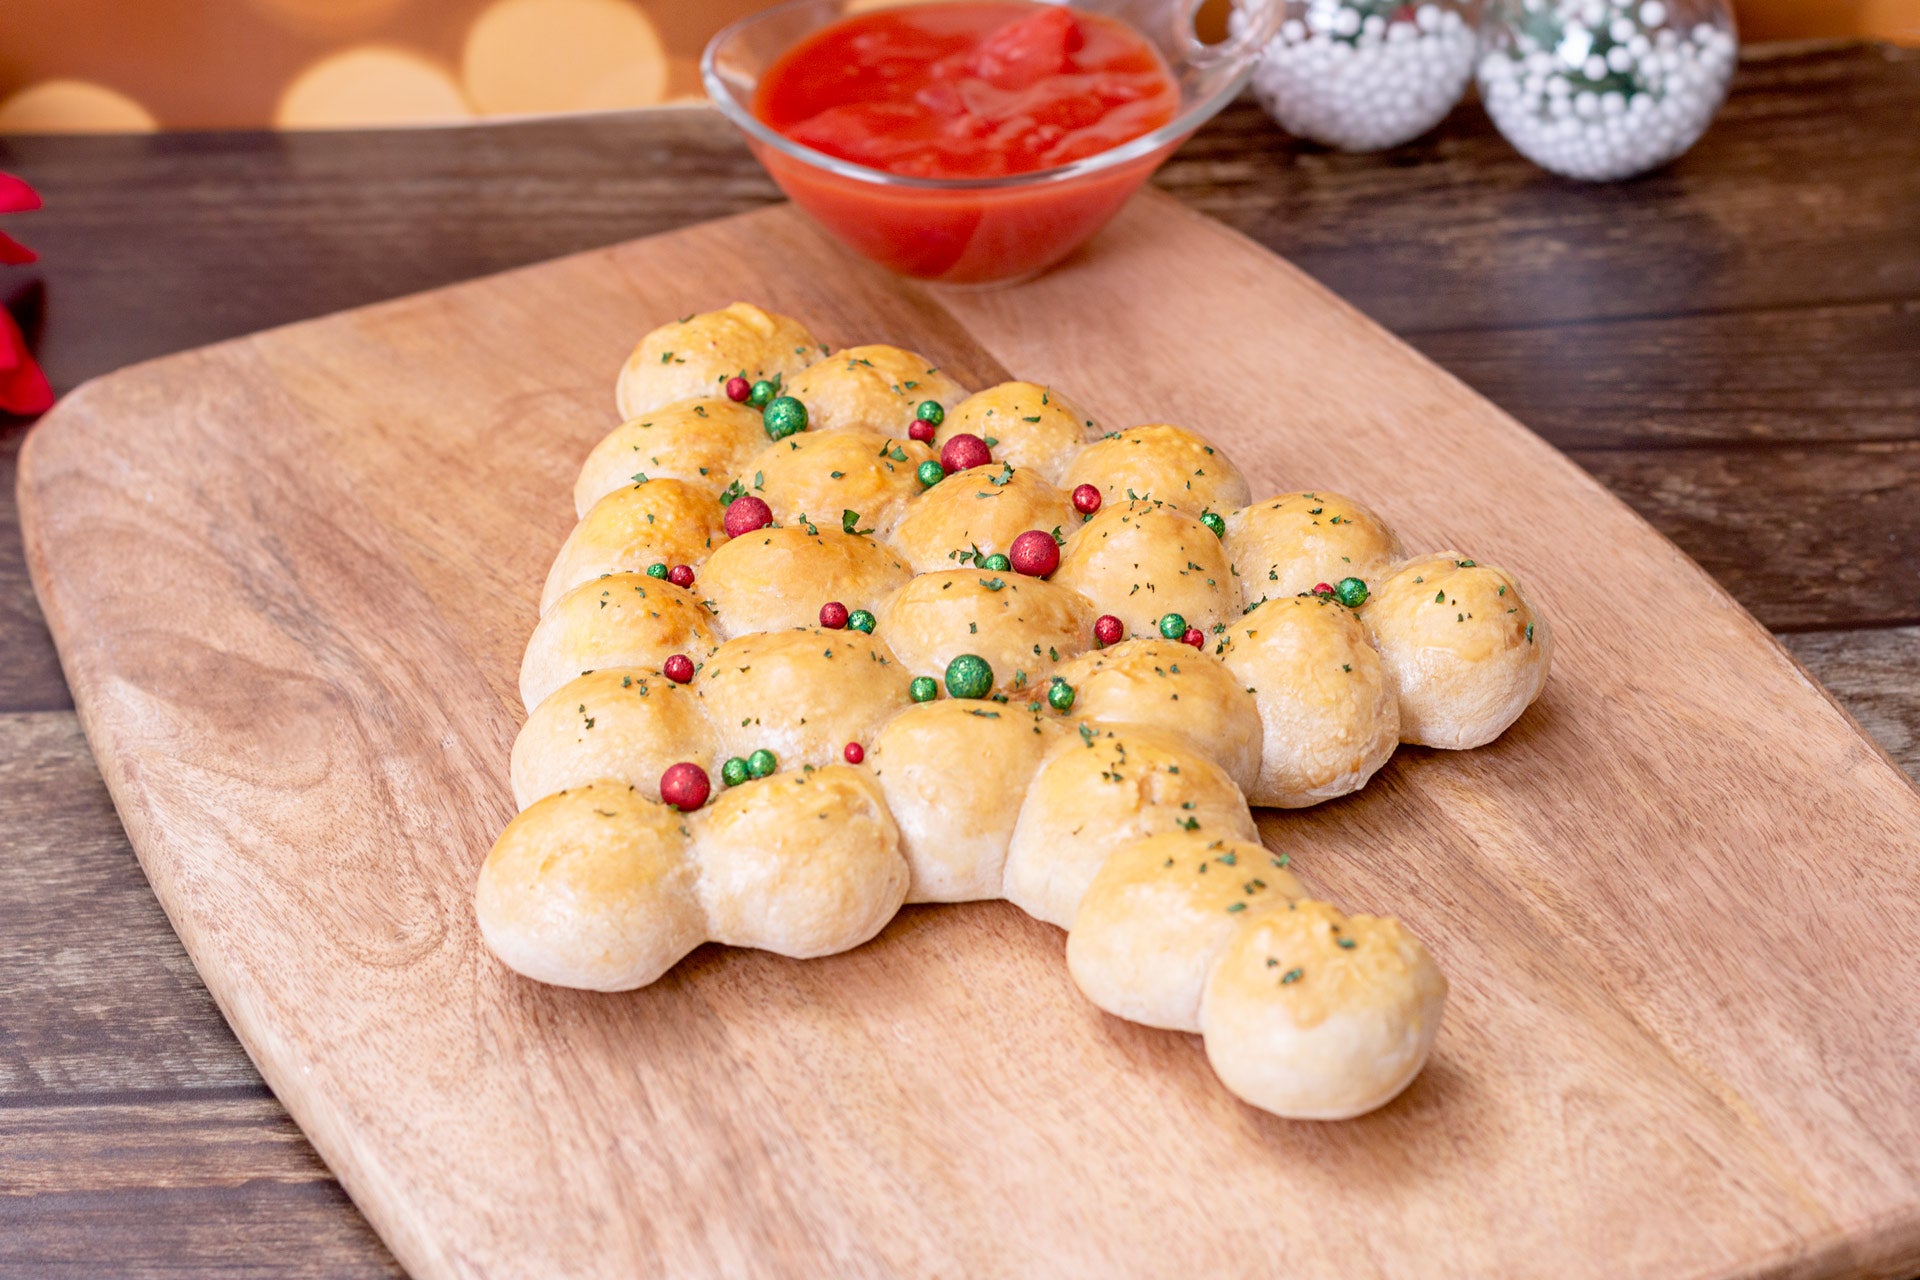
{"points": [[734, 772], [761, 763], [931, 473], [762, 394], [923, 689], [1173, 626], [1350, 592], [860, 620], [969, 676], [931, 412], [998, 564], [1060, 695], [1214, 522], [657, 570], [784, 417]]}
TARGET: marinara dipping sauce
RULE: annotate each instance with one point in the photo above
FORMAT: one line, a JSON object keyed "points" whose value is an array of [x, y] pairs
{"points": [[974, 91]]}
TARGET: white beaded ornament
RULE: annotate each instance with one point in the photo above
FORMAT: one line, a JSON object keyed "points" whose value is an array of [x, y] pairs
{"points": [[1604, 89]]}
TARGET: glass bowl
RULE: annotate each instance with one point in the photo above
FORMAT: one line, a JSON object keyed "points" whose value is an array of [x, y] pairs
{"points": [[979, 230]]}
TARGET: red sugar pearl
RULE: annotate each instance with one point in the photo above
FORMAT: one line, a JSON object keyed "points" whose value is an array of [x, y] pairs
{"points": [[681, 575], [853, 753], [744, 515], [1107, 630], [678, 668], [738, 389], [963, 451], [685, 786], [921, 431], [833, 615], [1034, 553], [1323, 589], [1086, 499], [1195, 637]]}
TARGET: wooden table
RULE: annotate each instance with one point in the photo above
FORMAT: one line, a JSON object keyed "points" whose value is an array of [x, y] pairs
{"points": [[1732, 345]]}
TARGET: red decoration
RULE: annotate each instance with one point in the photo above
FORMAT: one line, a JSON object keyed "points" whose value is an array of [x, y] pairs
{"points": [[744, 515], [921, 431], [854, 753], [678, 668], [833, 615], [685, 786], [1195, 637], [738, 389], [1323, 589], [1086, 499], [1034, 553], [23, 388], [1107, 630], [681, 575], [964, 451]]}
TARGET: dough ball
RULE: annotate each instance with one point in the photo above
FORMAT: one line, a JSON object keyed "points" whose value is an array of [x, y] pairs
{"points": [[1022, 626], [1291, 544], [803, 695], [1463, 648], [875, 388], [701, 442], [1314, 1015], [1166, 463], [821, 474], [1033, 427], [592, 888], [1165, 685], [1142, 560], [621, 620], [1103, 789], [954, 774], [801, 864], [778, 577], [666, 521], [1327, 711], [1160, 913], [696, 356], [982, 508], [624, 723]]}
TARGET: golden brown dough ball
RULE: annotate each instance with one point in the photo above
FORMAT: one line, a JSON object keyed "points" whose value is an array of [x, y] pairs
{"points": [[1165, 685], [1022, 626], [1462, 646], [800, 864], [624, 723], [823, 474], [803, 695], [1161, 462], [954, 774], [591, 888], [778, 577], [1315, 1015], [661, 521], [1103, 789], [980, 509], [1290, 544], [622, 620], [1327, 710], [696, 356], [1033, 427], [1143, 560], [700, 442], [1160, 913], [872, 388]]}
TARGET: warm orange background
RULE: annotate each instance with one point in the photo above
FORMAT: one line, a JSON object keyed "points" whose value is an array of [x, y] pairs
{"points": [[196, 64]]}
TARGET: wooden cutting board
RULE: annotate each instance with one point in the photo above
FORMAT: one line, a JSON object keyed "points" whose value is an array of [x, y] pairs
{"points": [[291, 576]]}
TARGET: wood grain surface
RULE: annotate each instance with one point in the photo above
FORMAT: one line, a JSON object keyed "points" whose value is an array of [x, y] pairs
{"points": [[1648, 1065], [1775, 263]]}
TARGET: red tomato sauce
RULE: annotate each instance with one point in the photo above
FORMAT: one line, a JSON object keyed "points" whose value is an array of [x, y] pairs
{"points": [[970, 89]]}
